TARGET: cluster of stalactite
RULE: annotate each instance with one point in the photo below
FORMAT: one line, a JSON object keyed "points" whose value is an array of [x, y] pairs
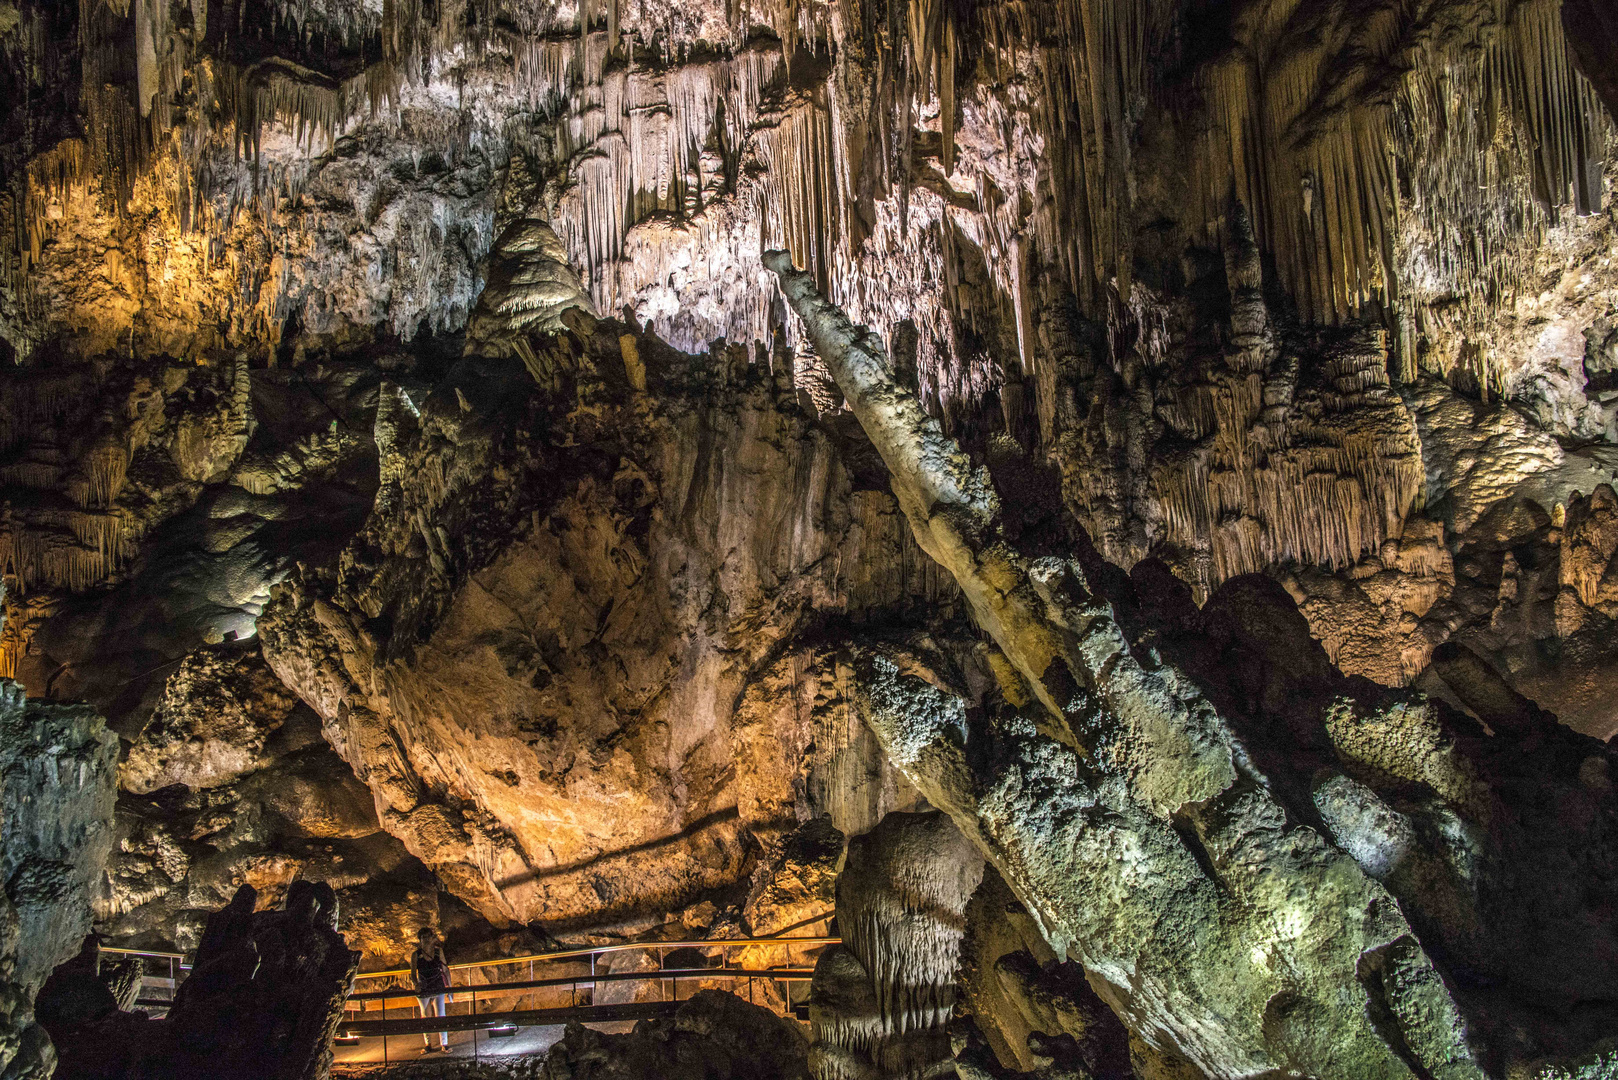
{"points": [[1437, 117], [59, 524], [1331, 129]]}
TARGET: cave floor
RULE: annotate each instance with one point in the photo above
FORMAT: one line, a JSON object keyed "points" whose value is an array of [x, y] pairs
{"points": [[407, 1048]]}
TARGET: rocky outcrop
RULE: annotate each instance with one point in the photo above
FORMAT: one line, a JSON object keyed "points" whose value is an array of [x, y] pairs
{"points": [[57, 783], [230, 783], [211, 727], [299, 338], [99, 455], [534, 652], [530, 285], [225, 479], [798, 887], [880, 1000], [715, 1034], [1490, 564], [264, 999], [266, 988], [1228, 462], [360, 187], [1026, 1011], [1205, 857]]}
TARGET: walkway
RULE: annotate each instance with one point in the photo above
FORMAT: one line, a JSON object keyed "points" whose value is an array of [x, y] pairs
{"points": [[521, 1004]]}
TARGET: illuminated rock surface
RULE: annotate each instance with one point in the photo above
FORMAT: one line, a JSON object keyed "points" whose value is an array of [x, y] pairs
{"points": [[1202, 523]]}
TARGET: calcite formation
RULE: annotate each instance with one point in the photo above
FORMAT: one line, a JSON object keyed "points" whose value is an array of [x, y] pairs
{"points": [[881, 999], [57, 783], [1312, 966], [231, 783], [1112, 501], [535, 655]]}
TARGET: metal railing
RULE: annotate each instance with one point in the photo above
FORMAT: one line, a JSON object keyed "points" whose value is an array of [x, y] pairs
{"points": [[491, 988], [507, 1021], [152, 958]]}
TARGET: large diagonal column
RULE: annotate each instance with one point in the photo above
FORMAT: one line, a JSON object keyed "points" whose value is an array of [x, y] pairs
{"points": [[1120, 809]]}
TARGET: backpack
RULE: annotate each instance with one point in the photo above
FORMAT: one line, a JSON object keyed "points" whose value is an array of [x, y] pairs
{"points": [[432, 974]]}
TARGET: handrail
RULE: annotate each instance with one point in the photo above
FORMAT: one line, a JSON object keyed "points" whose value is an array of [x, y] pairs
{"points": [[142, 952], [569, 954], [356, 1027], [598, 1014], [779, 974]]}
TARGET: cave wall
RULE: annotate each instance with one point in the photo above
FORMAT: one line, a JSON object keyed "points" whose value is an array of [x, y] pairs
{"points": [[57, 783], [410, 379], [286, 179], [541, 651]]}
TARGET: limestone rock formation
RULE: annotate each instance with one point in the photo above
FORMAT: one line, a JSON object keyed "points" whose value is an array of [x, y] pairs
{"points": [[534, 651], [1029, 1012], [210, 728], [57, 783], [531, 286], [1592, 33], [1318, 969], [714, 1036], [264, 998], [231, 783], [881, 999], [1207, 503], [1488, 564]]}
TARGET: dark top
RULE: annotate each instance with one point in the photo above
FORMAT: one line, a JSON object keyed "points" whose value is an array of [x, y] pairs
{"points": [[432, 972]]}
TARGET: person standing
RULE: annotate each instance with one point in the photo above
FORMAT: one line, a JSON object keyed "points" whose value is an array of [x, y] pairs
{"points": [[429, 968]]}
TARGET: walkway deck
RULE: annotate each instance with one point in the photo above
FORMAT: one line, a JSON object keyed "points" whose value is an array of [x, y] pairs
{"points": [[383, 1024]]}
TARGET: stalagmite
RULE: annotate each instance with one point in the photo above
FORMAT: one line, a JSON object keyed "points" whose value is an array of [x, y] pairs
{"points": [[530, 286], [882, 998]]}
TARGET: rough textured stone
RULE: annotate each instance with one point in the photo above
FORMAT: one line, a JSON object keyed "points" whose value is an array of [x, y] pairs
{"points": [[211, 726], [1197, 855], [57, 784], [264, 998], [534, 652], [880, 1000], [307, 297]]}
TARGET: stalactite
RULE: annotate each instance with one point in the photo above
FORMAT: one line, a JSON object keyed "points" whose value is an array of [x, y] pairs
{"points": [[60, 559], [104, 472], [1322, 130], [1323, 480], [803, 213], [1326, 129]]}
